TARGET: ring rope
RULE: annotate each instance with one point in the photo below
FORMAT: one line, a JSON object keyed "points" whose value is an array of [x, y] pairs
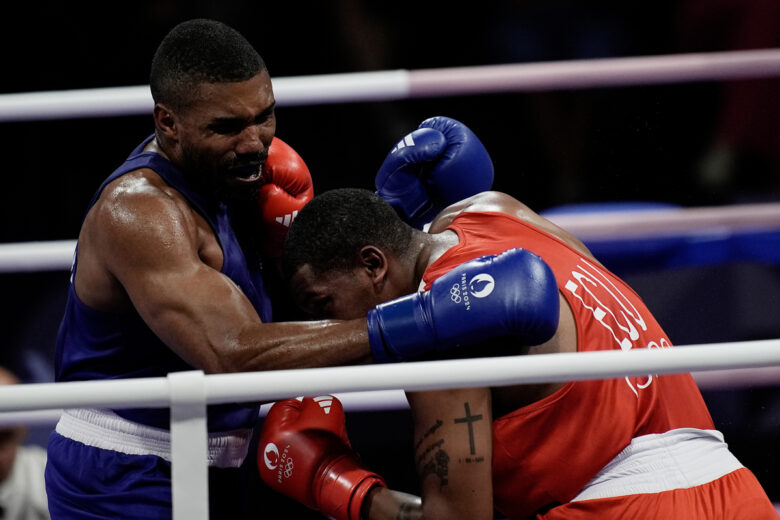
{"points": [[418, 376], [384, 400], [58, 254], [407, 84]]}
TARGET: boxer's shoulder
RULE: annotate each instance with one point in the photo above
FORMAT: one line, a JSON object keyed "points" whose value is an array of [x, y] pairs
{"points": [[488, 201], [138, 222], [140, 201]]}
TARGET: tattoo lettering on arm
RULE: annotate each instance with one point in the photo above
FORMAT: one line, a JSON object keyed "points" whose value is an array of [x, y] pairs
{"points": [[470, 420], [430, 431], [432, 459], [438, 464]]}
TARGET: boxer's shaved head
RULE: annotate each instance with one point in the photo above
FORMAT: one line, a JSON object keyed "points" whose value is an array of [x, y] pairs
{"points": [[330, 231], [200, 51]]}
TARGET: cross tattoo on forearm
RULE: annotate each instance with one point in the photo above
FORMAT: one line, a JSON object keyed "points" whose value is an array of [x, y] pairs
{"points": [[469, 420]]}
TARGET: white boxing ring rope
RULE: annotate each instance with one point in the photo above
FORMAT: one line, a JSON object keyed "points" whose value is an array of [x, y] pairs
{"points": [[417, 376], [383, 400], [57, 255], [407, 84], [376, 387]]}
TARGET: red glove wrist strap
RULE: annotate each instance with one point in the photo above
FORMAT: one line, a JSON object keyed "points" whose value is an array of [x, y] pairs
{"points": [[343, 488], [360, 493]]}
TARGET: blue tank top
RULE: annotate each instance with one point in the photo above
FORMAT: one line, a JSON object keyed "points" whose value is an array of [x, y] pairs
{"points": [[93, 344]]}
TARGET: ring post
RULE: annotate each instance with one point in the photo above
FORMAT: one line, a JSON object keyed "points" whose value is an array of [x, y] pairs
{"points": [[189, 445]]}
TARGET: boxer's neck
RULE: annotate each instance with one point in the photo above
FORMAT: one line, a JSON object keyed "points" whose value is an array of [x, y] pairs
{"points": [[428, 248]]}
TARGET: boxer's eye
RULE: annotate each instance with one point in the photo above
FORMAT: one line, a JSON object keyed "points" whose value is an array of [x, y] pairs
{"points": [[227, 126], [265, 116]]}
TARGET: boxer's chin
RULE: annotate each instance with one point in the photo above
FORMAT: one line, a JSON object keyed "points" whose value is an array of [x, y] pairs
{"points": [[240, 193], [241, 185]]}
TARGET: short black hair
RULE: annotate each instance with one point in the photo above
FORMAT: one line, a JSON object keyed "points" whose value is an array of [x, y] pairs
{"points": [[333, 227], [200, 51]]}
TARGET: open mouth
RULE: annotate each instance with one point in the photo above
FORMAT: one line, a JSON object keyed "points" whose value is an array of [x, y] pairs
{"points": [[246, 173]]}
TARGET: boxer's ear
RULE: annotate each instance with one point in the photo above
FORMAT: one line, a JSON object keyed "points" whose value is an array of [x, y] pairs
{"points": [[374, 263], [164, 120]]}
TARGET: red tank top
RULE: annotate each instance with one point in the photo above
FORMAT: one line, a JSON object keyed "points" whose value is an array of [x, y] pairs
{"points": [[544, 453]]}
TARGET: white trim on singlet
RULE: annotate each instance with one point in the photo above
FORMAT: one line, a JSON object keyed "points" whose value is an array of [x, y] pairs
{"points": [[677, 459], [106, 430]]}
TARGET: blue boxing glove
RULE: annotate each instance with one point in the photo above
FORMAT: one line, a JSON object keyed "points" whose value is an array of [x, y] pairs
{"points": [[511, 294], [440, 163]]}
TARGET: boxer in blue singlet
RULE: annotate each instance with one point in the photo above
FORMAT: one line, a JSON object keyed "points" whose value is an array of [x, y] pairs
{"points": [[163, 281], [94, 344]]}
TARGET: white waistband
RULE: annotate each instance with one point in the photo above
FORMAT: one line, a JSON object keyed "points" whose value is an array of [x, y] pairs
{"points": [[106, 430], [677, 459]]}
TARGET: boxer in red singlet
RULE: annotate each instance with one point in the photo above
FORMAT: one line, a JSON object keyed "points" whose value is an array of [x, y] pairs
{"points": [[634, 447]]}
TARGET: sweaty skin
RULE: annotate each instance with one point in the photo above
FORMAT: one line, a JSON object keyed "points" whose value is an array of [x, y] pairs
{"points": [[143, 246]]}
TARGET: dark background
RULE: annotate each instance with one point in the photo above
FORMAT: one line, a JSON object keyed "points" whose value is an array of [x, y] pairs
{"points": [[699, 144]]}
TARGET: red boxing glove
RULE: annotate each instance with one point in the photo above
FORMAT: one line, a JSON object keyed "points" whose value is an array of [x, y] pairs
{"points": [[304, 453], [287, 188]]}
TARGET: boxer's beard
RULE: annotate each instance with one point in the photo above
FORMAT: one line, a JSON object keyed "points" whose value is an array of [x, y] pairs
{"points": [[213, 180], [243, 167]]}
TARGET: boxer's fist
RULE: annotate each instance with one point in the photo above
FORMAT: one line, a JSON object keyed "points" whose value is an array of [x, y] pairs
{"points": [[440, 163], [304, 453], [286, 189], [511, 294]]}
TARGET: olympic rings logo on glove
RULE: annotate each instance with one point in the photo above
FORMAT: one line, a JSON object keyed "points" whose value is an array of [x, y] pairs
{"points": [[288, 467], [455, 293]]}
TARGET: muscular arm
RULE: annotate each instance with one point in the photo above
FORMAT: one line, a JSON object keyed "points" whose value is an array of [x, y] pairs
{"points": [[453, 456], [142, 244]]}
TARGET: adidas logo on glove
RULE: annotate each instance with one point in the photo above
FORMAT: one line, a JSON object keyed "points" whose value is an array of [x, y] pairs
{"points": [[403, 143], [287, 219], [325, 402]]}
